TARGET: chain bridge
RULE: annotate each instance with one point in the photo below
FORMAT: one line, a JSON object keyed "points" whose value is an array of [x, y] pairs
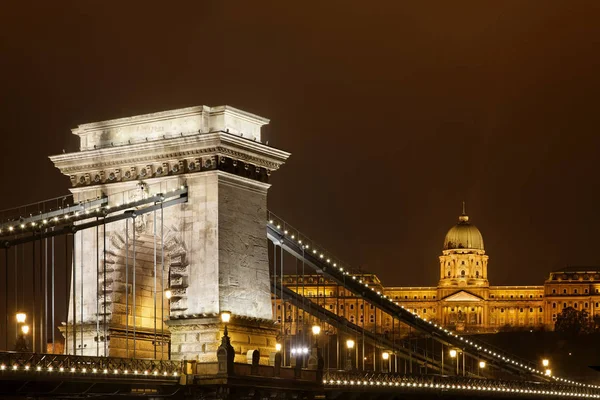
{"points": [[162, 274]]}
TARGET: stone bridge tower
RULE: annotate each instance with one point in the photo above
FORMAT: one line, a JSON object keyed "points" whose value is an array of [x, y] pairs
{"points": [[215, 246]]}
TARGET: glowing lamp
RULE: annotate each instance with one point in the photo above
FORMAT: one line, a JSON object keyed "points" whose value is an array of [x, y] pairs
{"points": [[350, 343], [385, 355], [225, 317], [21, 317], [481, 364], [277, 346], [25, 329], [545, 362], [316, 329], [168, 294], [453, 353]]}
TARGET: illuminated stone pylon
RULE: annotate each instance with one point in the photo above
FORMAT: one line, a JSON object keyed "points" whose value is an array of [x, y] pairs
{"points": [[215, 246]]}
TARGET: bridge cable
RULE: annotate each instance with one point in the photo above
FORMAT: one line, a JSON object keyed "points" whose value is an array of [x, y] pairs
{"points": [[97, 292], [34, 287], [104, 286], [154, 260], [162, 283], [81, 290], [74, 272], [126, 287], [52, 291], [6, 295], [67, 293], [45, 294], [133, 293]]}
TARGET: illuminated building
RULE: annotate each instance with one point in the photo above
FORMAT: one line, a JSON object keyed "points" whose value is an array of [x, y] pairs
{"points": [[463, 299]]}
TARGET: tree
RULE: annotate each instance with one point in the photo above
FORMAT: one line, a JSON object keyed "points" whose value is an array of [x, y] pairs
{"points": [[571, 322]]}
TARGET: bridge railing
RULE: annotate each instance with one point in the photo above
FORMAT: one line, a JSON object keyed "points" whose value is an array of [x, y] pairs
{"points": [[361, 381], [34, 362]]}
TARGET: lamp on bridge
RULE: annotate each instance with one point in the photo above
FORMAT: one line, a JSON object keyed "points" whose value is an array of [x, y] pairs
{"points": [[349, 347], [21, 317], [22, 339], [316, 330], [546, 363], [386, 361], [481, 366], [548, 372], [225, 352], [454, 356]]}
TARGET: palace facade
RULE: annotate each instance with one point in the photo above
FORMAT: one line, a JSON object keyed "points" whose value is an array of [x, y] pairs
{"points": [[463, 299]]}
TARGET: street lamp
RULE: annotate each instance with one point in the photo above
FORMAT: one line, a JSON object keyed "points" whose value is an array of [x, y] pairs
{"points": [[453, 354], [386, 360], [545, 362], [25, 329], [225, 317], [482, 364], [548, 372], [168, 294], [21, 317], [349, 347], [277, 347], [316, 329]]}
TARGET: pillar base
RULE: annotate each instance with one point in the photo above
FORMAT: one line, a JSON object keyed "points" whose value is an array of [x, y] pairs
{"points": [[199, 338]]}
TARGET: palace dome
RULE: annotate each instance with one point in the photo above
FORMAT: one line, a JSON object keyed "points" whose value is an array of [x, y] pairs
{"points": [[463, 236]]}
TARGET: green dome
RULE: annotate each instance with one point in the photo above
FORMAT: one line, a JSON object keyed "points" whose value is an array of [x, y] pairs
{"points": [[463, 236]]}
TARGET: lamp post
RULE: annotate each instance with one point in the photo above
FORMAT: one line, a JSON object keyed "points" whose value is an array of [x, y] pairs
{"points": [[316, 330], [22, 339], [386, 361], [453, 355], [481, 366], [545, 363], [349, 348]]}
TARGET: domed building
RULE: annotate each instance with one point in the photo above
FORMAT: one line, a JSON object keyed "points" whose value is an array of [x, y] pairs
{"points": [[463, 298]]}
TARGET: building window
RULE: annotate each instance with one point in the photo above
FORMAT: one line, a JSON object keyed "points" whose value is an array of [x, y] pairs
{"points": [[564, 305], [574, 291], [372, 306], [415, 297], [448, 273], [362, 306], [434, 297], [596, 290], [477, 263], [553, 291], [477, 274], [424, 297], [492, 296], [341, 306], [531, 296], [553, 305], [502, 310], [405, 297], [521, 296], [586, 291], [564, 291], [575, 305], [362, 319], [372, 318], [396, 297], [531, 310], [352, 306], [521, 310], [462, 273], [424, 311], [330, 294], [597, 304], [585, 305], [541, 309], [352, 318], [511, 296], [462, 263], [331, 306]]}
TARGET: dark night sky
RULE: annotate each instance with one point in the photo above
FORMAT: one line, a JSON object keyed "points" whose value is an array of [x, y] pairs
{"points": [[393, 112]]}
